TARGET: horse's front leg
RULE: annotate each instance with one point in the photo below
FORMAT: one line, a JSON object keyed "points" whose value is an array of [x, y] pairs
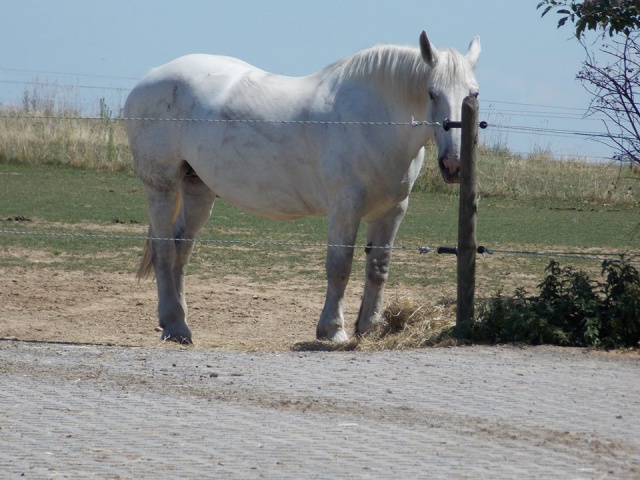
{"points": [[380, 236], [343, 229]]}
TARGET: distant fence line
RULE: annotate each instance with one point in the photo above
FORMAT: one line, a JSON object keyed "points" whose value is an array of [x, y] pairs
{"points": [[412, 123], [558, 112], [15, 115], [48, 92]]}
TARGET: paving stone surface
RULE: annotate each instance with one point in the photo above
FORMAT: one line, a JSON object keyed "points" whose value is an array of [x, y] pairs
{"points": [[91, 411]]}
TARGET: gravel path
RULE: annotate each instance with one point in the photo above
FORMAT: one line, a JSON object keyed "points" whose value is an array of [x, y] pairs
{"points": [[93, 411]]}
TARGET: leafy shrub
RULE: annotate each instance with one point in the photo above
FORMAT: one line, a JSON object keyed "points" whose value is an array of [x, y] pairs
{"points": [[621, 312], [570, 309]]}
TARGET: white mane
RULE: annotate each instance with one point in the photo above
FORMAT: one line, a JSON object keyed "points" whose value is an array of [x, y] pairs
{"points": [[391, 67], [452, 68], [401, 69]]}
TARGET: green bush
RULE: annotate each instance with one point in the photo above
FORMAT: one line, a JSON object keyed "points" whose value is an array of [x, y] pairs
{"points": [[570, 309]]}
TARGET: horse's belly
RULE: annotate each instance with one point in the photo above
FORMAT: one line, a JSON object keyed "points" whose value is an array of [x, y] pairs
{"points": [[277, 187], [273, 204], [276, 199]]}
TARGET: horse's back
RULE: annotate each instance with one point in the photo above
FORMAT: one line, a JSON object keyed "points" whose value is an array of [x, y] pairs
{"points": [[266, 168], [187, 77], [161, 104]]}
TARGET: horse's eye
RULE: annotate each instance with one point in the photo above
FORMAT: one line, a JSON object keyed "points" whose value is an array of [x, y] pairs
{"points": [[431, 96]]}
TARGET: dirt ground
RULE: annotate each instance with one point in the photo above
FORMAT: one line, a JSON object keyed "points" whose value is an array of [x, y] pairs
{"points": [[54, 305], [76, 404], [51, 303]]}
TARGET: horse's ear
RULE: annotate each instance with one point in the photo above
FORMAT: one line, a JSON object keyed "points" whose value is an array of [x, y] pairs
{"points": [[429, 52], [474, 51]]}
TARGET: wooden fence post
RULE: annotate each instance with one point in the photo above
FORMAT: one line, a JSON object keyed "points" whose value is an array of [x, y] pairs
{"points": [[467, 217]]}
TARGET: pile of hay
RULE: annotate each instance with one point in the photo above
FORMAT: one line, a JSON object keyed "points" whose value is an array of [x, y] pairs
{"points": [[407, 325]]}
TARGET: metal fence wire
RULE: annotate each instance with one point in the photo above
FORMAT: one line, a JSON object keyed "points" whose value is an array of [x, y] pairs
{"points": [[446, 124], [413, 123], [631, 256]]}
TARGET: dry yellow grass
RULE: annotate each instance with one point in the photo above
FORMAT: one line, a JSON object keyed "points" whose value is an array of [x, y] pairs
{"points": [[407, 325], [538, 175], [40, 139]]}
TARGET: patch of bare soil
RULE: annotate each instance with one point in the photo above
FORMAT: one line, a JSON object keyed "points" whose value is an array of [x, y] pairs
{"points": [[54, 305]]}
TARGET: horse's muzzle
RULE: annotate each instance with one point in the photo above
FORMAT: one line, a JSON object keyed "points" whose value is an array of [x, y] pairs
{"points": [[450, 170]]}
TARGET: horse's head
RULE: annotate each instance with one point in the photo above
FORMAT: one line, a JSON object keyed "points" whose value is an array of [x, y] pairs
{"points": [[450, 81]]}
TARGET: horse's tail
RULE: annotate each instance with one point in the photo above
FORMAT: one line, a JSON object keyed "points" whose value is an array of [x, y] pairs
{"points": [[146, 264]]}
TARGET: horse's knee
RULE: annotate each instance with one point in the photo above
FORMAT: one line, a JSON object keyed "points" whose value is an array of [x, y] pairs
{"points": [[377, 271], [370, 314]]}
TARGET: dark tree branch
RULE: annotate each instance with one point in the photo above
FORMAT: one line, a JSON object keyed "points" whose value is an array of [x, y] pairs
{"points": [[614, 88]]}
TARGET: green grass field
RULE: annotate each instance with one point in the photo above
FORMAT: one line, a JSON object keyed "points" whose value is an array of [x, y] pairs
{"points": [[70, 200], [74, 176]]}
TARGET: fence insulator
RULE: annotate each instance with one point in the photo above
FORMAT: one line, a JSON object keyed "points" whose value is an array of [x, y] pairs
{"points": [[454, 250], [449, 124], [447, 250]]}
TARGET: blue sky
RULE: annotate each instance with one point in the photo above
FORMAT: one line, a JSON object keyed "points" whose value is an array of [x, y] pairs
{"points": [[526, 70]]}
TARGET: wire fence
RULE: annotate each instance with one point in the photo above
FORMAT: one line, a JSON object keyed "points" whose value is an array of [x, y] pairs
{"points": [[632, 256], [413, 123], [17, 115], [67, 92], [109, 118]]}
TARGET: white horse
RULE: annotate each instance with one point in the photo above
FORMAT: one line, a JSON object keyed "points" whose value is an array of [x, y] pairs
{"points": [[282, 148]]}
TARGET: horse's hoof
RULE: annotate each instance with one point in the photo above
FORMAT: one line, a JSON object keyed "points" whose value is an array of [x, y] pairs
{"points": [[369, 326], [181, 337], [339, 336]]}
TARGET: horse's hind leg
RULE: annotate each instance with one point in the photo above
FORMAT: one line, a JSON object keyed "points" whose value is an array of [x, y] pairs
{"points": [[197, 201], [178, 208], [164, 210], [380, 234]]}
